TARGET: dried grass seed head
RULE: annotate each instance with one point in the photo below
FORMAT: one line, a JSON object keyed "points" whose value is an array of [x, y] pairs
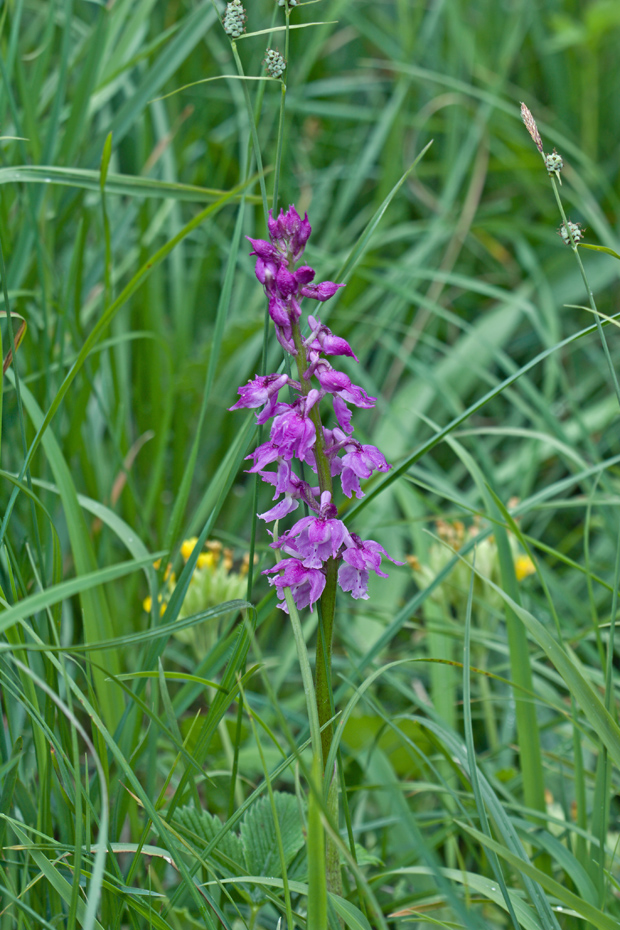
{"points": [[532, 128]]}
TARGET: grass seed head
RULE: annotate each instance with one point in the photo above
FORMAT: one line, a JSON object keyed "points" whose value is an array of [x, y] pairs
{"points": [[532, 128]]}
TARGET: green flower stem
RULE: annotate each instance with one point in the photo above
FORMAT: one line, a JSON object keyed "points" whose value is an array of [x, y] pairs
{"points": [[276, 180], [255, 142], [593, 306], [306, 672], [326, 627], [328, 598], [324, 656]]}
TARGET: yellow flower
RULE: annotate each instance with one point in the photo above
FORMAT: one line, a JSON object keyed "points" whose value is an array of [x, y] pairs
{"points": [[147, 603], [188, 547], [524, 567]]}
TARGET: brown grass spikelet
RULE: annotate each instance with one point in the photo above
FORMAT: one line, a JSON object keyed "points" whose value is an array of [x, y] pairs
{"points": [[532, 128]]}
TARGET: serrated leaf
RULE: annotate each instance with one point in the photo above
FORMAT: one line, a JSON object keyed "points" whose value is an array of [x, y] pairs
{"points": [[258, 834], [206, 826]]}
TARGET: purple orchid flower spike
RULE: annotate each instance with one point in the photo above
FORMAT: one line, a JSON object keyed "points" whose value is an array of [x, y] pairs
{"points": [[297, 433]]}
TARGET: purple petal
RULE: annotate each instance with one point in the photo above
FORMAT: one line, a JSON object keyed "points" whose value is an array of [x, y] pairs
{"points": [[285, 282], [343, 414], [264, 250], [282, 509], [350, 483], [350, 579], [322, 291], [304, 275]]}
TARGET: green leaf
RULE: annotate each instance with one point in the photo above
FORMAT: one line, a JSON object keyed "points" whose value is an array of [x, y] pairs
{"points": [[206, 826], [258, 834], [596, 917], [125, 185], [351, 914], [51, 873], [59, 592], [598, 248], [317, 881], [477, 884], [105, 160]]}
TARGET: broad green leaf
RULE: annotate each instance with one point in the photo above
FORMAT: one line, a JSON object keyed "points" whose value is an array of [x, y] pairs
{"points": [[258, 834], [206, 827]]}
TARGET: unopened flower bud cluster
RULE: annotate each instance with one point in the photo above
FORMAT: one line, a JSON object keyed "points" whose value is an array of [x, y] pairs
{"points": [[234, 19], [553, 162], [575, 229], [274, 63], [313, 540]]}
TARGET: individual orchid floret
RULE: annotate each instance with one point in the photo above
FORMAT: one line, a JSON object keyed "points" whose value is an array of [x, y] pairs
{"points": [[306, 584], [359, 461], [262, 390], [266, 251], [322, 291], [286, 482], [358, 558], [336, 382], [263, 455], [289, 233], [293, 431], [323, 340], [316, 539]]}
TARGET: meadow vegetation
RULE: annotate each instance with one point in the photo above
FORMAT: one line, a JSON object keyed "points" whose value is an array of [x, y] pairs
{"points": [[160, 762]]}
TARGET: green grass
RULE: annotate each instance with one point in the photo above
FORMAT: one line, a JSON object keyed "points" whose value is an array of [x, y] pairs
{"points": [[475, 730]]}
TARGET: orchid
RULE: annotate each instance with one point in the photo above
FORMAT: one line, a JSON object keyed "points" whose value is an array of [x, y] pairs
{"points": [[297, 433]]}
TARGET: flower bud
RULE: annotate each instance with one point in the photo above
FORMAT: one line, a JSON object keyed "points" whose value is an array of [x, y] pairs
{"points": [[576, 230], [234, 19], [553, 162], [274, 63]]}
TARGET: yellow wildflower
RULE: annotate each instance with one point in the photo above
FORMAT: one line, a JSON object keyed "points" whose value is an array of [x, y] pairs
{"points": [[188, 547], [524, 567], [147, 603]]}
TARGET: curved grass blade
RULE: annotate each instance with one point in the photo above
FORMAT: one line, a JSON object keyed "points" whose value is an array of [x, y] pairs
{"points": [[18, 335], [125, 185], [60, 592], [595, 916], [104, 321]]}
